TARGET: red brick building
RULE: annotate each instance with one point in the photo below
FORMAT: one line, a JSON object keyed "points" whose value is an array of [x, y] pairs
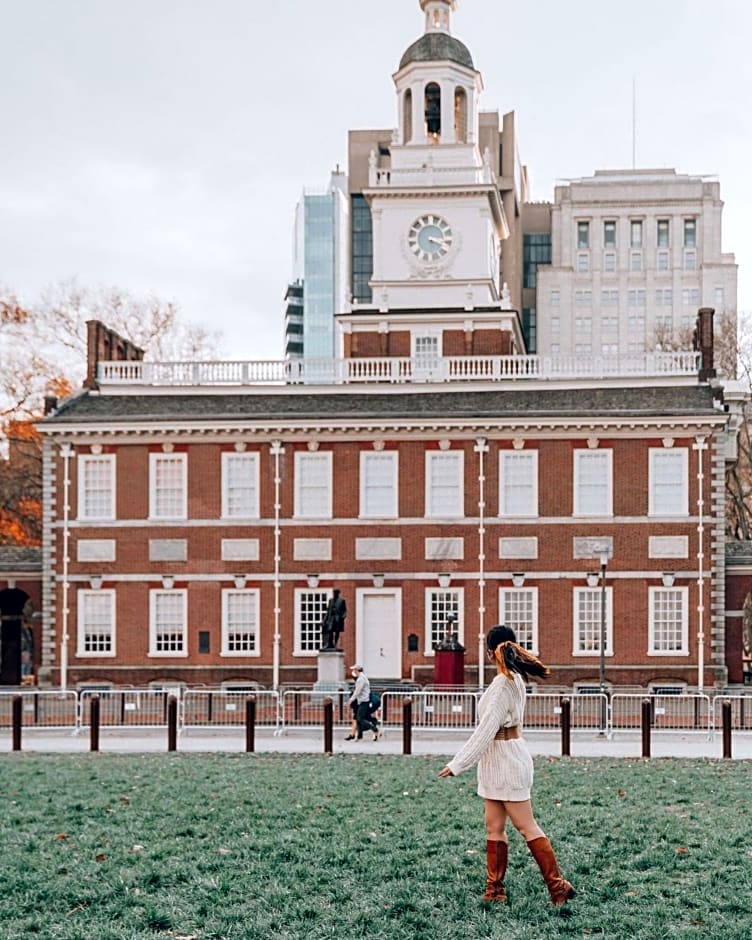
{"points": [[206, 512]]}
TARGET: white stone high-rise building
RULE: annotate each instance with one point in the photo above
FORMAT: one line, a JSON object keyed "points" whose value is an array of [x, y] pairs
{"points": [[635, 253]]}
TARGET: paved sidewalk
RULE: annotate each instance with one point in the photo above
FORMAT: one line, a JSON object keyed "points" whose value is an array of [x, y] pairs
{"points": [[541, 743]]}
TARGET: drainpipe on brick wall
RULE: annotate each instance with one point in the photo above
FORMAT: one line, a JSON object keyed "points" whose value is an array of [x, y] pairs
{"points": [[66, 452], [700, 445], [277, 451], [481, 448]]}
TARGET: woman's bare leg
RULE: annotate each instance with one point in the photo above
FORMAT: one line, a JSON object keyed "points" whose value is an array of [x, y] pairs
{"points": [[523, 820], [496, 820]]}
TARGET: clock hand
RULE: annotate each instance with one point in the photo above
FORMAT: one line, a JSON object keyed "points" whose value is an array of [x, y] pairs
{"points": [[438, 241]]}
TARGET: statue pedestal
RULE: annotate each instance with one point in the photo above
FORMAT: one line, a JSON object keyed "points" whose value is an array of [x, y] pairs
{"points": [[331, 669]]}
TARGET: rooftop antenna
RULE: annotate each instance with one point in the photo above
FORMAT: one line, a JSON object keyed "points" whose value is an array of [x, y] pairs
{"points": [[634, 123]]}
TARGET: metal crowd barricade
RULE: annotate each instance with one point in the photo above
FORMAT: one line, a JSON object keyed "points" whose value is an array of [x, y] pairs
{"points": [[431, 711], [741, 711], [128, 708], [304, 708], [225, 708], [685, 712], [51, 709], [587, 712]]}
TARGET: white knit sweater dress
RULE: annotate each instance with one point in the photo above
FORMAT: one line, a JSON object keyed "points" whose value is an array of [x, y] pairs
{"points": [[505, 768]]}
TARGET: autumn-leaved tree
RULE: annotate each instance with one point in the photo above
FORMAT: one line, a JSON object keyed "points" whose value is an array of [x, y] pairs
{"points": [[43, 353]]}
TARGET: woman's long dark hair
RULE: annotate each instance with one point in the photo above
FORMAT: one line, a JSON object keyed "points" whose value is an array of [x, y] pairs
{"points": [[512, 657]]}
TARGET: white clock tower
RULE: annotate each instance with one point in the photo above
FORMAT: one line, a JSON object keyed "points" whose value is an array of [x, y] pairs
{"points": [[438, 219]]}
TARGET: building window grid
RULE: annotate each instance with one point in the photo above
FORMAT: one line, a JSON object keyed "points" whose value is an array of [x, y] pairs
{"points": [[96, 623], [518, 479], [583, 262], [609, 233], [668, 621], [444, 484], [635, 261], [587, 621], [635, 233], [96, 495], [240, 499], [583, 235], [663, 261], [518, 609], [668, 484], [168, 622], [313, 485], [610, 298], [439, 605], [593, 483], [690, 259], [240, 622], [583, 298], [663, 232], [310, 608], [168, 486], [690, 296], [536, 250], [379, 487], [690, 233]]}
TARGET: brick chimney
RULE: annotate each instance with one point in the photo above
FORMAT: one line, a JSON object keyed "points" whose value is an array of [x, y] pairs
{"points": [[105, 345], [703, 342]]}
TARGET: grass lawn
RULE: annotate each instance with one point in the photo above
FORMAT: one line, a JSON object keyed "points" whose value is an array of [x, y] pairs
{"points": [[308, 847]]}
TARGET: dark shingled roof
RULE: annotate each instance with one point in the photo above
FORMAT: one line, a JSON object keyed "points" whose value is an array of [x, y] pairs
{"points": [[20, 558], [312, 406], [437, 47]]}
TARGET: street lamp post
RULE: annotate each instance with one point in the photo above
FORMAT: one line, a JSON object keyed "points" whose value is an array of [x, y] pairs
{"points": [[602, 672]]}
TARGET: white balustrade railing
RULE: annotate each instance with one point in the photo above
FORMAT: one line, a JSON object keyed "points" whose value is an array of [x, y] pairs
{"points": [[393, 370]]}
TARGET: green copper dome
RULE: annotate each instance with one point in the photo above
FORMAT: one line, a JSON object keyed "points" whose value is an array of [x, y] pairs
{"points": [[437, 47]]}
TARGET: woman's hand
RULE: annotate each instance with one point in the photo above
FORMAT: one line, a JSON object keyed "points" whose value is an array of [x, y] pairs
{"points": [[446, 772]]}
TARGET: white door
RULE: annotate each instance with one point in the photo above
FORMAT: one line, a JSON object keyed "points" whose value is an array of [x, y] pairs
{"points": [[378, 635]]}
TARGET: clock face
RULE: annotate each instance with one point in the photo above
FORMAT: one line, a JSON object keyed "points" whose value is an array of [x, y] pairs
{"points": [[430, 238]]}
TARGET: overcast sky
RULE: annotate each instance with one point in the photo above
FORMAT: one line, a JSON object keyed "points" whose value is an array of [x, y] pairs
{"points": [[161, 145]]}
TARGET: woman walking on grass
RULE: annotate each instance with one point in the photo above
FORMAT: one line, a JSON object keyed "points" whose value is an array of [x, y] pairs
{"points": [[505, 768]]}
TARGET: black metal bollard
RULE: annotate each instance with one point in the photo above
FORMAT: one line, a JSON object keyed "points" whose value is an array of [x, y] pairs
{"points": [[726, 726], [94, 723], [328, 726], [647, 715], [17, 721], [250, 724], [172, 723], [407, 726], [566, 727]]}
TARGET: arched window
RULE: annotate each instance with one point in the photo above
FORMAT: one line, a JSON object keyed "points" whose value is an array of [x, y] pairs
{"points": [[460, 115], [433, 110], [407, 116]]}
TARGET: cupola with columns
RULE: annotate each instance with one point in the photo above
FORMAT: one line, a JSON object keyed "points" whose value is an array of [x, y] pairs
{"points": [[437, 215]]}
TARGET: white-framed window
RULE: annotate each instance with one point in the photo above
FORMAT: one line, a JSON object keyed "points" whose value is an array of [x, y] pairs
{"points": [[240, 485], [518, 609], [583, 349], [555, 298], [378, 484], [588, 621], [96, 623], [168, 489], [690, 233], [583, 327], [168, 622], [668, 481], [668, 627], [96, 486], [555, 349], [609, 234], [663, 230], [718, 297], [663, 261], [441, 605], [609, 326], [240, 622], [518, 483], [583, 298], [593, 482], [445, 483], [583, 262], [609, 349], [583, 234], [609, 262], [637, 297], [555, 324], [636, 326], [310, 608], [665, 323], [635, 233], [635, 261], [610, 298], [664, 296], [690, 259], [690, 296], [313, 485]]}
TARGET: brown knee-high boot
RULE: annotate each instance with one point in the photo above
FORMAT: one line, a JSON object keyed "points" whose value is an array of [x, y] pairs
{"points": [[559, 889], [497, 853]]}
